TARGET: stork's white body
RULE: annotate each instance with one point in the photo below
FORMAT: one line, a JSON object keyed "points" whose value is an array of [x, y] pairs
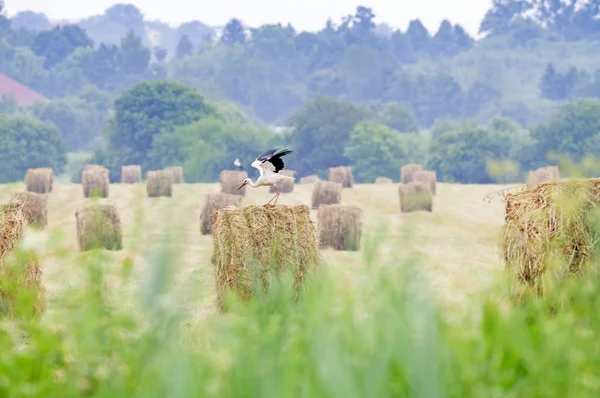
{"points": [[268, 165]]}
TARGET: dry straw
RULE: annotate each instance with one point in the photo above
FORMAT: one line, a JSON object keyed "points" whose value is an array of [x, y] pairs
{"points": [[415, 196], [231, 180], [408, 171], [427, 177], [383, 180], [326, 193], [342, 175], [159, 183], [541, 175], [286, 186], [214, 202], [254, 241], [35, 206], [99, 226], [131, 174], [176, 174], [550, 231], [21, 288], [39, 180], [311, 179], [340, 227], [95, 182]]}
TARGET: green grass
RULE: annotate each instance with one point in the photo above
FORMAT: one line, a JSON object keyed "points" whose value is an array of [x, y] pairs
{"points": [[420, 311]]}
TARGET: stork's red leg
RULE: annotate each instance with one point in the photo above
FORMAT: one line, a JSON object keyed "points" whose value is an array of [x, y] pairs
{"points": [[273, 196], [276, 196]]}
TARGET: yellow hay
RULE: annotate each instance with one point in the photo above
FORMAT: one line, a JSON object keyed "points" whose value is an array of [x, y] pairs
{"points": [[35, 207], [428, 177], [99, 226], [342, 175], [39, 180], [340, 226], [94, 181], [159, 183], [21, 289], [176, 174], [326, 193], [252, 241], [214, 202], [541, 175], [131, 174], [415, 196], [550, 226], [309, 179], [407, 172], [383, 180], [286, 186], [231, 180]]}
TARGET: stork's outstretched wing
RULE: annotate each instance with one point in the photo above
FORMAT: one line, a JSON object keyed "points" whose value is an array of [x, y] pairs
{"points": [[271, 160]]}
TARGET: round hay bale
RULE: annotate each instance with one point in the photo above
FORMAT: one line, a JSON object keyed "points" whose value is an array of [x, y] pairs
{"points": [[383, 180], [253, 241], [551, 226], [415, 196], [311, 179], [286, 186], [407, 172], [159, 183], [35, 206], [214, 202], [428, 177], [342, 175], [176, 173], [99, 226], [131, 174], [542, 175], [340, 227], [95, 182], [21, 289], [326, 193], [231, 180], [39, 180]]}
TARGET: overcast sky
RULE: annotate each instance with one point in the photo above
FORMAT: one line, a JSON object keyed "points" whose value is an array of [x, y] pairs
{"points": [[302, 14]]}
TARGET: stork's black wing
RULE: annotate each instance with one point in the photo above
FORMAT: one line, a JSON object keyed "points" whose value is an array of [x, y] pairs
{"points": [[274, 157]]}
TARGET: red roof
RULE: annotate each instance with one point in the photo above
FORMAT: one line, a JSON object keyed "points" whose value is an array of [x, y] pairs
{"points": [[23, 95]]}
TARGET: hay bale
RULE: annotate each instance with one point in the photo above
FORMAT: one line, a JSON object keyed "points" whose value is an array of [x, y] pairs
{"points": [[542, 175], [231, 180], [21, 289], [176, 173], [131, 174], [286, 186], [214, 202], [551, 226], [39, 180], [35, 207], [251, 241], [158, 183], [407, 172], [383, 180], [415, 196], [326, 193], [428, 177], [99, 226], [342, 175], [340, 227], [311, 179], [94, 181]]}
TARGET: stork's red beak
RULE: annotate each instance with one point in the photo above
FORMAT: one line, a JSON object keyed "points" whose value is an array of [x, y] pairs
{"points": [[241, 186]]}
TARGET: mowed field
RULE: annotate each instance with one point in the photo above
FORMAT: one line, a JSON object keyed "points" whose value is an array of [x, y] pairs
{"points": [[456, 244]]}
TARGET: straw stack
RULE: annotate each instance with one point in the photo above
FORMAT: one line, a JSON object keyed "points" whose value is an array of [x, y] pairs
{"points": [[407, 172], [159, 183], [427, 177], [214, 202], [176, 174], [94, 181], [35, 207], [340, 227], [131, 174], [415, 196], [231, 180], [342, 175], [99, 226], [39, 180], [326, 193]]}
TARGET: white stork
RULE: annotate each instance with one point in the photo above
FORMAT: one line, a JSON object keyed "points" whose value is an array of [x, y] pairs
{"points": [[269, 164], [238, 164]]}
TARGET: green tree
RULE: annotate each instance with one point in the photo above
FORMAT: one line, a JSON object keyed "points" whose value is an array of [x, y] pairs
{"points": [[321, 130], [397, 116], [135, 57], [184, 47], [60, 42], [28, 143], [376, 150], [146, 110], [233, 33]]}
